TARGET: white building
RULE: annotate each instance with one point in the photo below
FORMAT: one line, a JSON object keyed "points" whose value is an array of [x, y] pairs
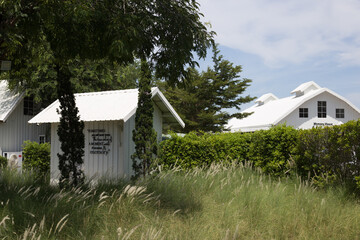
{"points": [[309, 106], [109, 119], [15, 111]]}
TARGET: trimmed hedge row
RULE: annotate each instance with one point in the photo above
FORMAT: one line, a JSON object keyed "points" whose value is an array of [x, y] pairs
{"points": [[325, 154]]}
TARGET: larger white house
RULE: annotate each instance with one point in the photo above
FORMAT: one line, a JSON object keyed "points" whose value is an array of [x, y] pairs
{"points": [[109, 119], [310, 105]]}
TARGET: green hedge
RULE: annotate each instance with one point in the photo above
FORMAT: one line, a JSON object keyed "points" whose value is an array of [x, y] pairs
{"points": [[36, 157], [330, 153], [327, 155], [199, 149], [272, 149]]}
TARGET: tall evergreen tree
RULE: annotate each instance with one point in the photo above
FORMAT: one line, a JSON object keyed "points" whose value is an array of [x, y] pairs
{"points": [[70, 132], [144, 135], [203, 102]]}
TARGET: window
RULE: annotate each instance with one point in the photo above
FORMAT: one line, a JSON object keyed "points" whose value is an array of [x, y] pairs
{"points": [[340, 113], [28, 106], [321, 109], [303, 112], [42, 139]]}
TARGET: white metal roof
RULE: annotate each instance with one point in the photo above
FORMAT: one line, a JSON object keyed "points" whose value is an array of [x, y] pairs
{"points": [[306, 87], [266, 98], [269, 114], [8, 100], [108, 106]]}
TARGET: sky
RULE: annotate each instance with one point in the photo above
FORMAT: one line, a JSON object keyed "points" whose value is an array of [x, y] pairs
{"points": [[283, 43]]}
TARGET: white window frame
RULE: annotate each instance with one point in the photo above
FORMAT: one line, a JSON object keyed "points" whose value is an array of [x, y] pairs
{"points": [[340, 113], [322, 109], [303, 112]]}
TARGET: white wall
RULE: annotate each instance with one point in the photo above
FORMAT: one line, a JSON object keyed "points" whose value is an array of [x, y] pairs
{"points": [[117, 163], [332, 103], [97, 162], [16, 130]]}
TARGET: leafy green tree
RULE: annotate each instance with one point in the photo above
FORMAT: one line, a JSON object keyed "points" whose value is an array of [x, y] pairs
{"points": [[203, 101], [165, 32], [144, 135]]}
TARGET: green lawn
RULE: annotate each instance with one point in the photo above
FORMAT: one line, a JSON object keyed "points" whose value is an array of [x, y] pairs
{"points": [[231, 202]]}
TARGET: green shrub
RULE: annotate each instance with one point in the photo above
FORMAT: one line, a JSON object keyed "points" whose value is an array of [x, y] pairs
{"points": [[271, 150], [330, 153], [327, 155], [3, 162], [199, 149], [36, 157]]}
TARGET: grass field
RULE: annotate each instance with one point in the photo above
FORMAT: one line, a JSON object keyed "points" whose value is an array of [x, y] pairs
{"points": [[223, 202]]}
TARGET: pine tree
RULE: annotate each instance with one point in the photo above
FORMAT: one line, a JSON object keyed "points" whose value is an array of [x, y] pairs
{"points": [[70, 132], [202, 103], [144, 136]]}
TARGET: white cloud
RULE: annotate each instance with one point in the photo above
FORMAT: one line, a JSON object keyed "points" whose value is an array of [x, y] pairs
{"points": [[288, 31]]}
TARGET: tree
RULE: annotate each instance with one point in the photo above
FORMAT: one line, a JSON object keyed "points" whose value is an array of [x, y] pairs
{"points": [[166, 32], [144, 135], [203, 101], [71, 136]]}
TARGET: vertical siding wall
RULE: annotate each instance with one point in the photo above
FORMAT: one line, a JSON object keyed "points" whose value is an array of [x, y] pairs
{"points": [[109, 164], [117, 163], [332, 103], [16, 130]]}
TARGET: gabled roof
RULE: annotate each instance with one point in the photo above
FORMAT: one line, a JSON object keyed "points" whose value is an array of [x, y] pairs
{"points": [[109, 106], [305, 88], [266, 98], [8, 100], [269, 114]]}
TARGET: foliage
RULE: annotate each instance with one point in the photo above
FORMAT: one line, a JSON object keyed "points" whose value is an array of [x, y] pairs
{"points": [[269, 150], [168, 33], [71, 136], [203, 101], [327, 156], [3, 162], [144, 135], [203, 149], [221, 202], [272, 150], [36, 157], [331, 153]]}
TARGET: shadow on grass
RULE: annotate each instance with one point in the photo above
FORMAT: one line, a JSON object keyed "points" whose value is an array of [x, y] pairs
{"points": [[175, 192]]}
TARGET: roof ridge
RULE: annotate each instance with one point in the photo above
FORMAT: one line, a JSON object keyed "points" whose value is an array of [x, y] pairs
{"points": [[106, 92]]}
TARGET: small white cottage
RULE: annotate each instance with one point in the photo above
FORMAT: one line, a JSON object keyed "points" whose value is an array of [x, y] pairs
{"points": [[15, 111], [310, 106], [109, 119]]}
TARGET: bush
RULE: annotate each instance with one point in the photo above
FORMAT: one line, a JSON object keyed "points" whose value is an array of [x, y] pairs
{"points": [[330, 153], [3, 162], [36, 157], [271, 150], [202, 149], [327, 155]]}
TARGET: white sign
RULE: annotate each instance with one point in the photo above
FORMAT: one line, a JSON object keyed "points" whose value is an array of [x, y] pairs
{"points": [[100, 141]]}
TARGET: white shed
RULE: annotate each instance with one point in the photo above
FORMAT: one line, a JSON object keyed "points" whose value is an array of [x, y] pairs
{"points": [[15, 111], [310, 106], [109, 119]]}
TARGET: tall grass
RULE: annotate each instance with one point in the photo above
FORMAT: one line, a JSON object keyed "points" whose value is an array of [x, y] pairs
{"points": [[223, 202]]}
